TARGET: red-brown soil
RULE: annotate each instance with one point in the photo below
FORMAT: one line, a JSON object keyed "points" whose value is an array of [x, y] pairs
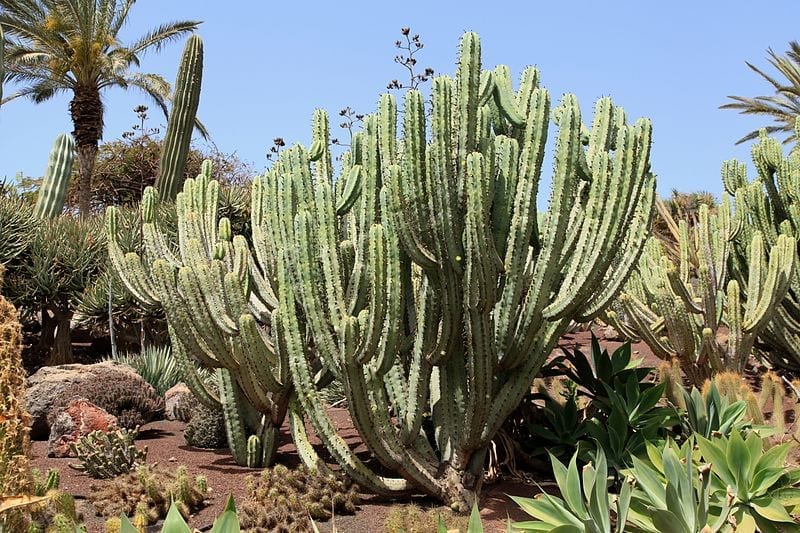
{"points": [[166, 446]]}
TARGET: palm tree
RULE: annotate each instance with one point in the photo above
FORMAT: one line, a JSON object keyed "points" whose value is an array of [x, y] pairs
{"points": [[59, 46], [784, 105]]}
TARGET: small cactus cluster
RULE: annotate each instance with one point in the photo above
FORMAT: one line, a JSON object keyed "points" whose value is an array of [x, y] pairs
{"points": [[148, 493], [414, 519], [280, 499], [107, 454]]}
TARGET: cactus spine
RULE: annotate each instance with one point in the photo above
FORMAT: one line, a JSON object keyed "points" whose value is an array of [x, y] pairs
{"points": [[55, 183], [181, 119], [438, 292], [679, 309]]}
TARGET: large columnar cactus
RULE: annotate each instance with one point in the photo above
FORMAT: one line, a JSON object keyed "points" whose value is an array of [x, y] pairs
{"points": [[55, 183], [689, 309], [181, 119], [428, 281], [773, 210], [220, 310]]}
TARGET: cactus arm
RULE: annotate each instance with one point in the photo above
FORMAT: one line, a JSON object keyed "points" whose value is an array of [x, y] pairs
{"points": [[234, 417], [181, 119], [522, 220]]}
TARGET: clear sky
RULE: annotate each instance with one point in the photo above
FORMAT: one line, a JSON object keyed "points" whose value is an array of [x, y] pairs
{"points": [[268, 65]]}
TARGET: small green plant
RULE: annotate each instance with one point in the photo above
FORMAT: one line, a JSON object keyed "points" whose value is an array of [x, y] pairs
{"points": [[107, 454], [586, 506], [594, 374], [227, 522]]}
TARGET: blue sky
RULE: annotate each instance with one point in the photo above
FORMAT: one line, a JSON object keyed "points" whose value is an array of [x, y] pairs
{"points": [[268, 65]]}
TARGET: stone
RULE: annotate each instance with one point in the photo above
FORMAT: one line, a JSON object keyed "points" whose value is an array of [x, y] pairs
{"points": [[44, 387], [77, 420], [180, 403]]}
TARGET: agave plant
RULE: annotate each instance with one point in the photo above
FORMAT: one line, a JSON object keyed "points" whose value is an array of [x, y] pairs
{"points": [[759, 485], [673, 493], [586, 505], [712, 414]]}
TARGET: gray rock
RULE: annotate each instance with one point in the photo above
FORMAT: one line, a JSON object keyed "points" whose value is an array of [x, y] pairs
{"points": [[45, 386], [180, 403]]}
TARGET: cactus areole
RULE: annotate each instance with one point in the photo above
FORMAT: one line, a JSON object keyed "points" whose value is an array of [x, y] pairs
{"points": [[423, 278]]}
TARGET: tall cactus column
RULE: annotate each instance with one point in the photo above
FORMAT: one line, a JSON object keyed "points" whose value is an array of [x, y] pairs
{"points": [[55, 183], [428, 281], [182, 119]]}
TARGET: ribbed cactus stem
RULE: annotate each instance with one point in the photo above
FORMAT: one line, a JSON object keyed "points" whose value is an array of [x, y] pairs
{"points": [[55, 183], [182, 119]]}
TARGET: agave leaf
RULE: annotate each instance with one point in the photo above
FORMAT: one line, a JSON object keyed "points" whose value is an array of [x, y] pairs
{"points": [[475, 525], [228, 521], [771, 509], [125, 525], [713, 453], [666, 522], [174, 522]]}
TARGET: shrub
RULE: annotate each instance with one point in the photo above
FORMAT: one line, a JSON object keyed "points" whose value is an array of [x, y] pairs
{"points": [[133, 401]]}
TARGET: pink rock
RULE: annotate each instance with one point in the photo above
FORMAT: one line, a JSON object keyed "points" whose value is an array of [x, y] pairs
{"points": [[77, 420]]}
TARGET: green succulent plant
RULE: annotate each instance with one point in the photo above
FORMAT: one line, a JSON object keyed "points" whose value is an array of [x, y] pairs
{"points": [[759, 485], [585, 504], [712, 414], [672, 493]]}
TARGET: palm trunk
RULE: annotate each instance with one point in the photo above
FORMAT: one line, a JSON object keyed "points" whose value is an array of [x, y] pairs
{"points": [[86, 109]]}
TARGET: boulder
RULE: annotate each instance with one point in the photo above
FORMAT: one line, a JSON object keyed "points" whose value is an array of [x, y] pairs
{"points": [[45, 386], [180, 403], [77, 420]]}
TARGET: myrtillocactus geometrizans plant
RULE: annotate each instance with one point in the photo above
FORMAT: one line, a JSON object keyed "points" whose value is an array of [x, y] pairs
{"points": [[424, 278]]}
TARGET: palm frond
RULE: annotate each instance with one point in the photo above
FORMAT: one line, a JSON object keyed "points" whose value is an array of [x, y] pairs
{"points": [[784, 105], [162, 35]]}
